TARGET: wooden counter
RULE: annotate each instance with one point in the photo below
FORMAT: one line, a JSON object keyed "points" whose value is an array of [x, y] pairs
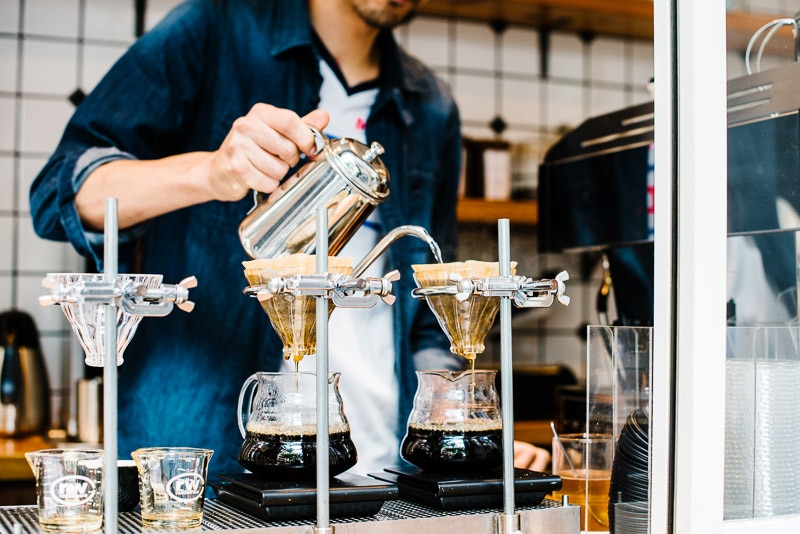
{"points": [[17, 484]]}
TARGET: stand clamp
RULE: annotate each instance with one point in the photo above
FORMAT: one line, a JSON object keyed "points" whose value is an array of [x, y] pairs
{"points": [[135, 298], [525, 292], [345, 292]]}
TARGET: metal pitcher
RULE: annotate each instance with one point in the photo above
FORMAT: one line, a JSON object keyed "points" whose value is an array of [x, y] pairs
{"points": [[345, 176]]}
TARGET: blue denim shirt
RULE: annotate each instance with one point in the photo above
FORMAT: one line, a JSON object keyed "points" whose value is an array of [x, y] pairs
{"points": [[178, 89]]}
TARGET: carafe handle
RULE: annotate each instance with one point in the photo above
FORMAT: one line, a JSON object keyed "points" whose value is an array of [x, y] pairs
{"points": [[248, 389]]}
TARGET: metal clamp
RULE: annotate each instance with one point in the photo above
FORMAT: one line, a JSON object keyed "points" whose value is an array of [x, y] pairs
{"points": [[345, 292], [525, 292], [134, 298]]}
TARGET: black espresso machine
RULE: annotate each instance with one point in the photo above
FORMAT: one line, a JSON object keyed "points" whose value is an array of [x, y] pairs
{"points": [[596, 191]]}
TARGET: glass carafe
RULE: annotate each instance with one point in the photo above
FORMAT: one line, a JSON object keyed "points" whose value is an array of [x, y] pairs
{"points": [[455, 425], [278, 421]]}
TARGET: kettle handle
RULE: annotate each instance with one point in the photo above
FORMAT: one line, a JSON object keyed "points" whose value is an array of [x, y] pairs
{"points": [[248, 388], [319, 144]]}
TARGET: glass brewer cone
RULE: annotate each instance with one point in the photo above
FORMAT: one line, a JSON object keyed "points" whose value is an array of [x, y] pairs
{"points": [[294, 318], [87, 319], [466, 322]]}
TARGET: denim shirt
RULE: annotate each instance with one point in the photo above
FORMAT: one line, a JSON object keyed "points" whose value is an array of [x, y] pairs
{"points": [[178, 89]]}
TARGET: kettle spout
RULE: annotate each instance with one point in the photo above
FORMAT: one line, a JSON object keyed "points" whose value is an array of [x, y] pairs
{"points": [[392, 236]]}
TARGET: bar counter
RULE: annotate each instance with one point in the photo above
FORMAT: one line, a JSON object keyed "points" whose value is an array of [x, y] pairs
{"points": [[395, 517]]}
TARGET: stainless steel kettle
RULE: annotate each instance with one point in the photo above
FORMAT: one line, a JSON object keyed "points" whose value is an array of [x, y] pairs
{"points": [[24, 386], [345, 176]]}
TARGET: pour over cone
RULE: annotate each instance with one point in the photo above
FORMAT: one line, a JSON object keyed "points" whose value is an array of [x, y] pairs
{"points": [[466, 322], [88, 318], [294, 318]]}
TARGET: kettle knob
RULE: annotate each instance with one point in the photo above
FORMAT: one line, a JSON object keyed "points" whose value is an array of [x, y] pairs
{"points": [[375, 150]]}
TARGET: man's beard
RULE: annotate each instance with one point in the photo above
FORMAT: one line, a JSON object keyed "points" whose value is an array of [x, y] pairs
{"points": [[381, 19]]}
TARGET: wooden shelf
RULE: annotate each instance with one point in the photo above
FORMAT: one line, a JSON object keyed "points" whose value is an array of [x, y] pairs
{"points": [[475, 210], [614, 18]]}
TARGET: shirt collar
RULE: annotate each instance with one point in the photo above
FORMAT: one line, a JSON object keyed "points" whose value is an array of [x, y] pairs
{"points": [[397, 69]]}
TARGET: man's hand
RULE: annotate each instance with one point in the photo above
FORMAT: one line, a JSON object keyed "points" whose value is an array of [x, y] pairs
{"points": [[528, 456], [260, 149]]}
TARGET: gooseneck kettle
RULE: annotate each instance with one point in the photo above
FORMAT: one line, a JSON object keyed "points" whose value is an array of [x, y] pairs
{"points": [[24, 385], [346, 177]]}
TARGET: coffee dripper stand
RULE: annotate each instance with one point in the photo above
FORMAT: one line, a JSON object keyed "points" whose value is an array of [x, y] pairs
{"points": [[524, 293], [134, 299], [345, 292]]}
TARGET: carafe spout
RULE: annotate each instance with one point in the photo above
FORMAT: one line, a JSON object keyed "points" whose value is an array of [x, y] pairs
{"points": [[392, 236]]}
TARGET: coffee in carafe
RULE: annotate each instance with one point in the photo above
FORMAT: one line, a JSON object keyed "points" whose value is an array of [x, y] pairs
{"points": [[284, 453], [277, 419], [455, 425]]}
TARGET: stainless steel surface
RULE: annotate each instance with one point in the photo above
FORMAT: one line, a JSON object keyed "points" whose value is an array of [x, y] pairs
{"points": [[763, 95], [90, 410], [392, 236], [110, 271], [323, 439], [506, 371], [346, 178], [25, 391], [394, 517], [508, 524]]}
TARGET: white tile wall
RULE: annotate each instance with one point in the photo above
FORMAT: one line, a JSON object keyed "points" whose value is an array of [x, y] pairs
{"points": [[49, 67], [582, 79], [566, 57], [109, 20], [8, 63], [6, 184], [9, 16], [474, 46], [608, 60], [6, 243], [43, 122], [424, 38], [5, 288], [475, 97], [520, 100], [7, 119], [520, 53], [54, 18]]}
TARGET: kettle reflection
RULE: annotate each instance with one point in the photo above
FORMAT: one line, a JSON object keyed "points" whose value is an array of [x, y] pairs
{"points": [[455, 425], [278, 421]]}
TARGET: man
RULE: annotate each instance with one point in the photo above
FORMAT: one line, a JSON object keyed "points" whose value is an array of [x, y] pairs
{"points": [[213, 102]]}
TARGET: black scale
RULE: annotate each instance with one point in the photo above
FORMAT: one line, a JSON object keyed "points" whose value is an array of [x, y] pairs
{"points": [[356, 496], [468, 491], [280, 500]]}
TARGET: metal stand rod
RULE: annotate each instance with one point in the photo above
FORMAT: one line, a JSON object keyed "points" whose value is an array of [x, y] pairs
{"points": [[110, 268], [323, 479], [509, 521]]}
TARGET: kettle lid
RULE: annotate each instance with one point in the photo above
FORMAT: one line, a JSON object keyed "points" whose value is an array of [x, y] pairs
{"points": [[360, 165]]}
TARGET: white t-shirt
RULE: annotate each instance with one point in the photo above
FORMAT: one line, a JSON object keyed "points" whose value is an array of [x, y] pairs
{"points": [[361, 340]]}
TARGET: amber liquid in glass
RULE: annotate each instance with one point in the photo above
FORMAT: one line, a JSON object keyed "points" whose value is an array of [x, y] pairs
{"points": [[595, 502]]}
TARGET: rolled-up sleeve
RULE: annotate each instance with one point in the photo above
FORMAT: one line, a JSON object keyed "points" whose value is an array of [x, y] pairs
{"points": [[137, 111]]}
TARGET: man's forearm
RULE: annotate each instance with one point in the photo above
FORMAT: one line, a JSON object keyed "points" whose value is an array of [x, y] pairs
{"points": [[144, 189]]}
